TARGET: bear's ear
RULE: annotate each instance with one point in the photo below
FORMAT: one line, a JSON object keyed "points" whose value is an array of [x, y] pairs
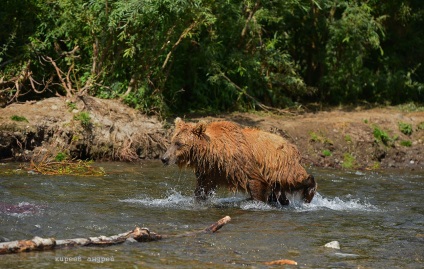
{"points": [[178, 121], [199, 130]]}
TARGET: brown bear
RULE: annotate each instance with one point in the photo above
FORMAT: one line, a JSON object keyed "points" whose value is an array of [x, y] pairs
{"points": [[223, 153]]}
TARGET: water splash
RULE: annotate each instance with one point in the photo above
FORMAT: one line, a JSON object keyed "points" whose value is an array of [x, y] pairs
{"points": [[337, 204], [177, 200], [173, 200], [256, 206]]}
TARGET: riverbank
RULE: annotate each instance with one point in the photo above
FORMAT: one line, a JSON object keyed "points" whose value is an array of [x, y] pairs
{"points": [[98, 129]]}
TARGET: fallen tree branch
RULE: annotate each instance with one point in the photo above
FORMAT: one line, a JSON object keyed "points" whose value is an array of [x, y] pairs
{"points": [[211, 229], [138, 234]]}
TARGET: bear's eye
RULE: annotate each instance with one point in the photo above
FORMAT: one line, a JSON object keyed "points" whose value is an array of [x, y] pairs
{"points": [[178, 144]]}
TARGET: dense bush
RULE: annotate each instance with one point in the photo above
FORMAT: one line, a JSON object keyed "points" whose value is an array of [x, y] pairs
{"points": [[199, 55]]}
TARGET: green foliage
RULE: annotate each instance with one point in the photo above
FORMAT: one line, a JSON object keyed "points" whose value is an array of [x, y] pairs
{"points": [[382, 136], [375, 166], [180, 56], [314, 137], [349, 161], [326, 153], [71, 106], [406, 143], [405, 128], [60, 157], [348, 139], [420, 126], [351, 38], [84, 118], [18, 118], [411, 107], [318, 137]]}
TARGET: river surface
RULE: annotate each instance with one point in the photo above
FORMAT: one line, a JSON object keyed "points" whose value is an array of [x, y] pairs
{"points": [[377, 218]]}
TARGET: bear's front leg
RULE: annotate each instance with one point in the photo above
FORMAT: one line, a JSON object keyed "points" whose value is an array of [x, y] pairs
{"points": [[258, 190], [204, 187], [310, 189]]}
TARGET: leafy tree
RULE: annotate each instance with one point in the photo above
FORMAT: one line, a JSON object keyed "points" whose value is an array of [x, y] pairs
{"points": [[188, 55], [351, 40]]}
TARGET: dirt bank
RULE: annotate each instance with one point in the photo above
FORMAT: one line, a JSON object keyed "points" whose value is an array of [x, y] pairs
{"points": [[359, 139], [108, 130], [85, 128]]}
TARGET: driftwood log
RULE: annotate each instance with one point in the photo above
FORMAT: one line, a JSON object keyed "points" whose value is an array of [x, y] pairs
{"points": [[138, 234]]}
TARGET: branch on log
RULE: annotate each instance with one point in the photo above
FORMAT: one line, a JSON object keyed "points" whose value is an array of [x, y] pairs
{"points": [[138, 234]]}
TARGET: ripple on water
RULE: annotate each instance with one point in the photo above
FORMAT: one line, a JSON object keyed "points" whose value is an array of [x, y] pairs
{"points": [[20, 210]]}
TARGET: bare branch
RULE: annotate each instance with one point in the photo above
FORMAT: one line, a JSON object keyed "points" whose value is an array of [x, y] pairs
{"points": [[182, 36], [69, 92], [249, 18], [138, 234]]}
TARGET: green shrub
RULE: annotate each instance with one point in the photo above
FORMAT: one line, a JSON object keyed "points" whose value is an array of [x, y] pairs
{"points": [[18, 118], [84, 117], [348, 139], [405, 128], [406, 143], [326, 153], [376, 165], [314, 137], [71, 106], [60, 157], [382, 136], [349, 161]]}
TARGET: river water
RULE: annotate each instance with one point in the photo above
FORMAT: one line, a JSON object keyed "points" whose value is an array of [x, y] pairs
{"points": [[377, 218]]}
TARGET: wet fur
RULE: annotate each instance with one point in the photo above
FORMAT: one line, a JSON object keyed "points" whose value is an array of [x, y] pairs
{"points": [[225, 154]]}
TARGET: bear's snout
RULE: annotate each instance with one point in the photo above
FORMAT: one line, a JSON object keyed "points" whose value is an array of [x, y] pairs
{"points": [[165, 160]]}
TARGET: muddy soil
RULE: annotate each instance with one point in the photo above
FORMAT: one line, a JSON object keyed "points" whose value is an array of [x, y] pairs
{"points": [[92, 128]]}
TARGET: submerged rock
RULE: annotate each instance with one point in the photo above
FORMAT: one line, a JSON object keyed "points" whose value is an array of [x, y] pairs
{"points": [[346, 255]]}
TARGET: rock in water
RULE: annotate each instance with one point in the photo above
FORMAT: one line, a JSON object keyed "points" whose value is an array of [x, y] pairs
{"points": [[333, 244]]}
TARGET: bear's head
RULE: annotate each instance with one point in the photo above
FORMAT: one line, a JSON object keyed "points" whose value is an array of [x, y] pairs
{"points": [[186, 139]]}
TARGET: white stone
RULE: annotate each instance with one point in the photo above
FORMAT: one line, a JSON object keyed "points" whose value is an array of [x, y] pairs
{"points": [[333, 244]]}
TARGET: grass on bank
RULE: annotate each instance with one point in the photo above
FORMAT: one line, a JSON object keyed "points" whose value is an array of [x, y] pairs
{"points": [[66, 167]]}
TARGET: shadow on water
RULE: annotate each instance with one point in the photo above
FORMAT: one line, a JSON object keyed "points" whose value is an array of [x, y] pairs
{"points": [[377, 218]]}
